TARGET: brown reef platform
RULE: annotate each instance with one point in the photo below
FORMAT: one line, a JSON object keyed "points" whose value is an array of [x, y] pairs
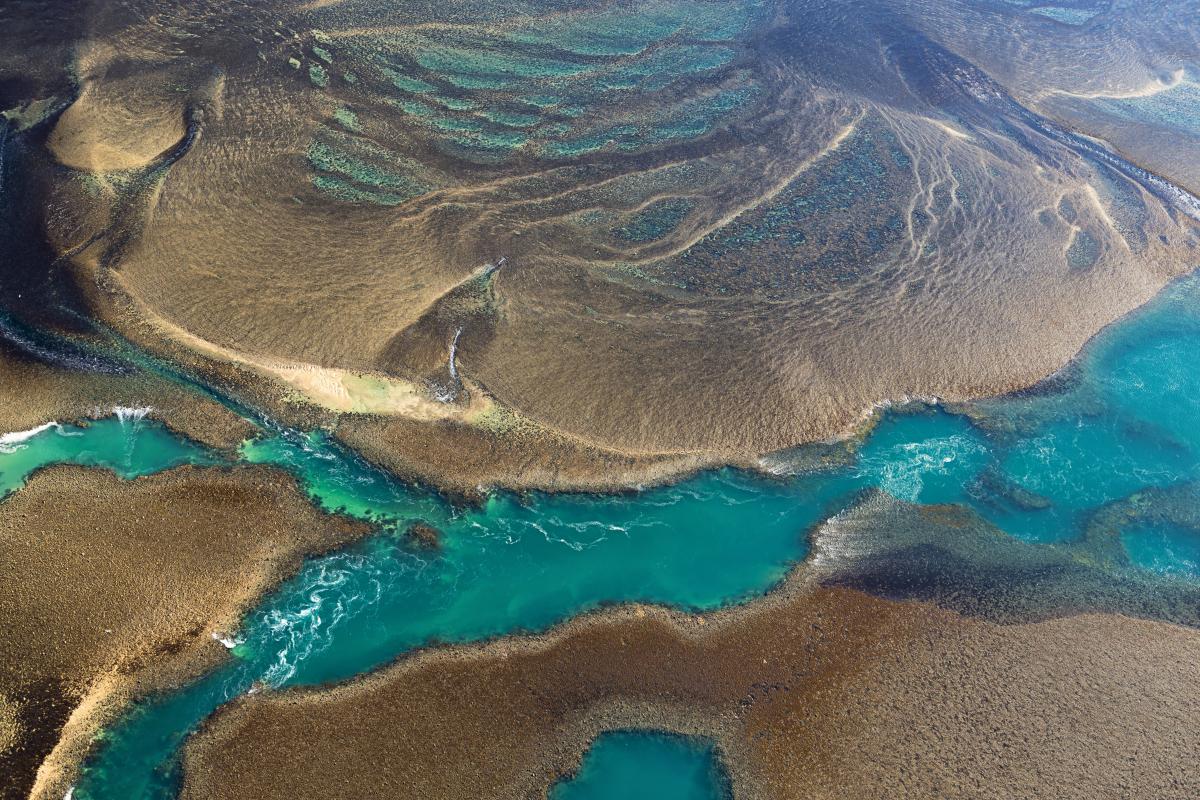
{"points": [[746, 257], [566, 277], [114, 588], [918, 652]]}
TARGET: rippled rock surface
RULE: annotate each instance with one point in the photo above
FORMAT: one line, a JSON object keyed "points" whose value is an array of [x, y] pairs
{"points": [[714, 228]]}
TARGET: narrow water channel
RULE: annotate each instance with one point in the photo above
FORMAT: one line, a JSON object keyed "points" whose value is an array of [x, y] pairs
{"points": [[1039, 465]]}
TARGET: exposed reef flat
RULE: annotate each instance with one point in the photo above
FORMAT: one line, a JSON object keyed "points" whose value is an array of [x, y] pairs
{"points": [[662, 236], [829, 694], [511, 453], [113, 588], [33, 393], [587, 244], [1140, 99]]}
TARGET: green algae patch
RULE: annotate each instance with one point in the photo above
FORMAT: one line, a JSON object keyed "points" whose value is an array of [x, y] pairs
{"points": [[541, 100], [512, 119], [456, 124], [407, 83], [455, 103], [347, 192], [348, 120], [617, 32], [354, 169], [568, 69], [414, 108], [655, 221], [467, 62], [355, 180], [554, 129], [662, 67]]}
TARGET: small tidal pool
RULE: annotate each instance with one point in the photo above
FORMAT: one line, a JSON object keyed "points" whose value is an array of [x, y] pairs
{"points": [[646, 765]]}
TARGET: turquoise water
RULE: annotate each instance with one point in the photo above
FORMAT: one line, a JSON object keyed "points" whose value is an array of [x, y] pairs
{"points": [[519, 562], [1039, 465], [124, 443], [644, 765], [512, 564], [1165, 549]]}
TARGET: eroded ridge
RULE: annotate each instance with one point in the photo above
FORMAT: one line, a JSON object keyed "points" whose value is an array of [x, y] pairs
{"points": [[766, 216]]}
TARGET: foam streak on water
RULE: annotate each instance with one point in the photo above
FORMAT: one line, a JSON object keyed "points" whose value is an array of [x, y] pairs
{"points": [[10, 442], [133, 415], [454, 352]]}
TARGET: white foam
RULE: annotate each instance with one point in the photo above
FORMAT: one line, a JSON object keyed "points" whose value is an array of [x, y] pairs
{"points": [[901, 470], [131, 414], [448, 394], [228, 641], [454, 354], [830, 546], [302, 631], [11, 442]]}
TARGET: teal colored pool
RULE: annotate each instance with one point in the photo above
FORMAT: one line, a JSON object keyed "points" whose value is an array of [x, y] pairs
{"points": [[1174, 107], [1039, 465], [644, 765]]}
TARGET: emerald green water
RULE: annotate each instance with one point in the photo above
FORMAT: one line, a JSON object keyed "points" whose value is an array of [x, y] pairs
{"points": [[644, 765], [1040, 466]]}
